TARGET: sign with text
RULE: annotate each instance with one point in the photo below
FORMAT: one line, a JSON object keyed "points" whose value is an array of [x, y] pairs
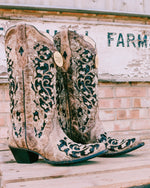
{"points": [[123, 49]]}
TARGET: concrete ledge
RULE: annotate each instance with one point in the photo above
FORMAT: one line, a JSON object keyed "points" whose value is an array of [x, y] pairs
{"points": [[129, 170]]}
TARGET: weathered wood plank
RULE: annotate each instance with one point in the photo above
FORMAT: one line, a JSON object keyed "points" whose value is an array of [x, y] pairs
{"points": [[3, 147], [131, 169], [124, 41], [13, 172], [111, 179]]}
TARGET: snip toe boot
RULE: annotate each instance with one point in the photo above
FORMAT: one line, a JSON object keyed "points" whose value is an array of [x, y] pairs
{"points": [[35, 126], [117, 147], [77, 101]]}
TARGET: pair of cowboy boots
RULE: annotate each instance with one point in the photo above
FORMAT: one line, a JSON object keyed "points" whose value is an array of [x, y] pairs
{"points": [[53, 98]]}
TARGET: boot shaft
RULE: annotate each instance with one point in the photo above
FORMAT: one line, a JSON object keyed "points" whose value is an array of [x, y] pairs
{"points": [[77, 106], [32, 77]]}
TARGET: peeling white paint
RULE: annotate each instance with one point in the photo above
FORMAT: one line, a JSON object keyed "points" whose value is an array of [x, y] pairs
{"points": [[120, 58]]}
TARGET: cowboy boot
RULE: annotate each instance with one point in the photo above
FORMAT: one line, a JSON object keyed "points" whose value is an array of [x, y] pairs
{"points": [[80, 86], [35, 128]]}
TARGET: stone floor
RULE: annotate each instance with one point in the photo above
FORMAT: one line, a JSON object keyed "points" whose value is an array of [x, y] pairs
{"points": [[130, 170]]}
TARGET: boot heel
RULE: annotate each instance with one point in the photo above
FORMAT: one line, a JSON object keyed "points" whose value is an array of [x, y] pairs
{"points": [[24, 156]]}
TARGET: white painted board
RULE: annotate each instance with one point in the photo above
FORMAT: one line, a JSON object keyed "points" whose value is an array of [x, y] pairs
{"points": [[123, 49]]}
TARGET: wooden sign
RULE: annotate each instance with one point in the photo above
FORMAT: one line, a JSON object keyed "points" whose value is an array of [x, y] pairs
{"points": [[123, 49]]}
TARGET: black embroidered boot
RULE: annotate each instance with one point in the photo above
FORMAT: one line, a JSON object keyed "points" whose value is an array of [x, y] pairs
{"points": [[35, 128], [78, 102]]}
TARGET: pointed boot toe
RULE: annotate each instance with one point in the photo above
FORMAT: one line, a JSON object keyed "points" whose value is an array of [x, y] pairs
{"points": [[117, 147]]}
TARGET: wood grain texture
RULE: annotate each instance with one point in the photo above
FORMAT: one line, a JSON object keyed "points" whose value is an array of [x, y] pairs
{"points": [[126, 171]]}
